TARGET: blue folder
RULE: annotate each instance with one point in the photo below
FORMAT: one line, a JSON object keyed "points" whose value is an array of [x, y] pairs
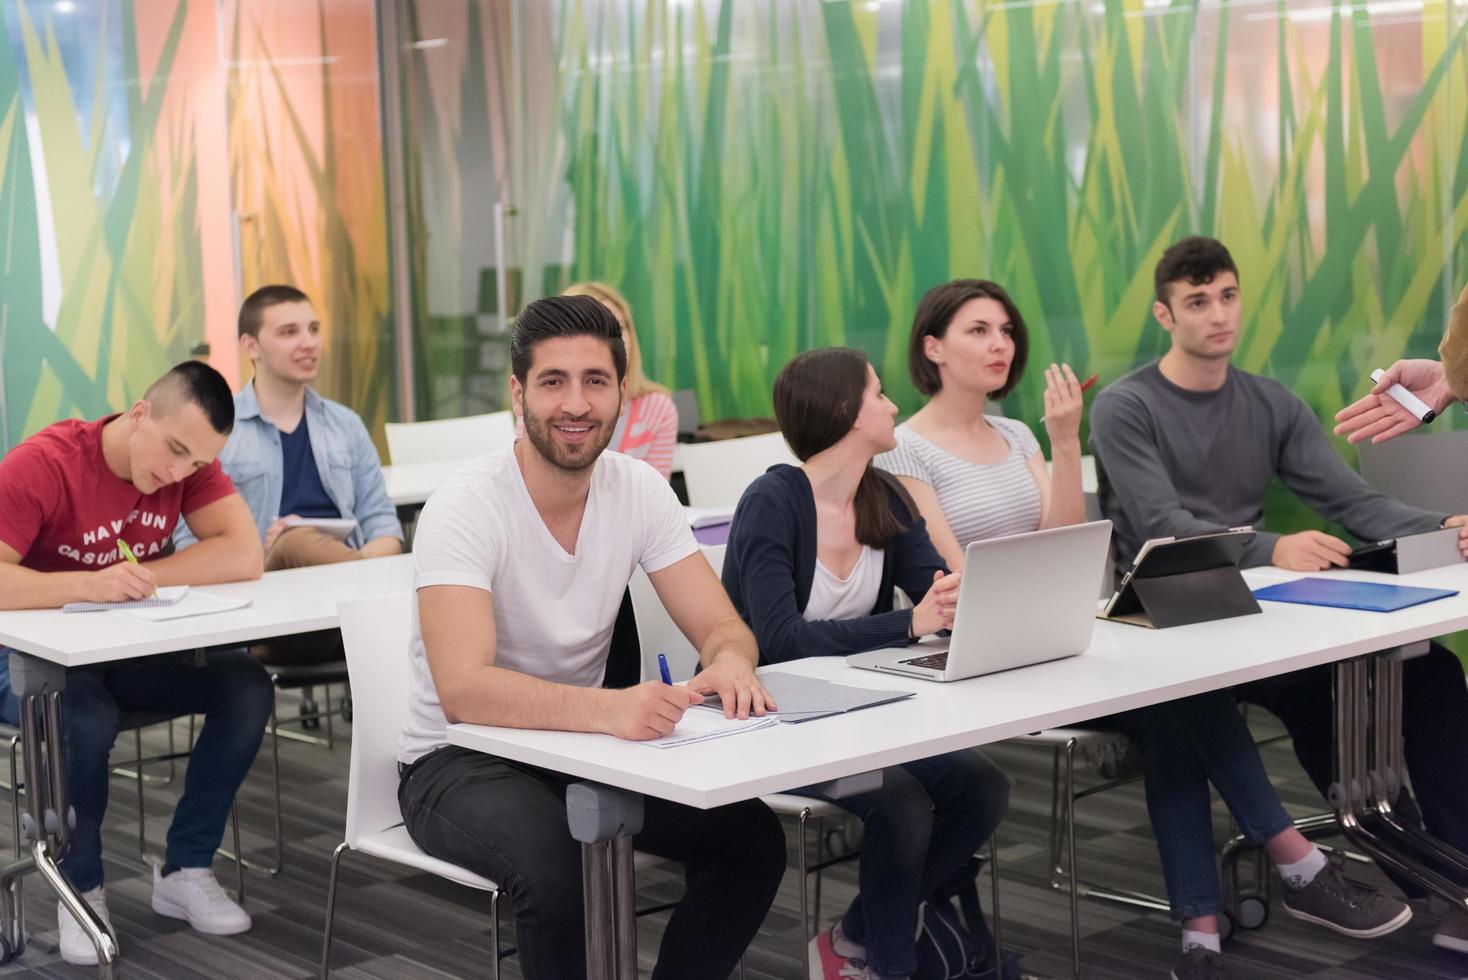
{"points": [[1341, 594]]}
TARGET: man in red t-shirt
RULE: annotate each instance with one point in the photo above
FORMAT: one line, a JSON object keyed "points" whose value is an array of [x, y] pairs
{"points": [[68, 496]]}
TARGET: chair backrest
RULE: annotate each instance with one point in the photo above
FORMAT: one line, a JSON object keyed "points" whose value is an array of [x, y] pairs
{"points": [[376, 633], [686, 401], [717, 473], [1428, 470], [656, 631], [448, 439]]}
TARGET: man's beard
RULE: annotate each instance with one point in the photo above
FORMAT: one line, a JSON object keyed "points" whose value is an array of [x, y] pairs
{"points": [[572, 458]]}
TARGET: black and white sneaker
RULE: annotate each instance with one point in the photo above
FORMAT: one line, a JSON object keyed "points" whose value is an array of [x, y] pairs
{"points": [[1197, 963]]}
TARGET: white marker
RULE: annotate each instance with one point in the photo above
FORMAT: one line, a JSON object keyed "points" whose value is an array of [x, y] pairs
{"points": [[1406, 399]]}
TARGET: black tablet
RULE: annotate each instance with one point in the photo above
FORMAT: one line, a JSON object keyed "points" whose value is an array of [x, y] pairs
{"points": [[1169, 558]]}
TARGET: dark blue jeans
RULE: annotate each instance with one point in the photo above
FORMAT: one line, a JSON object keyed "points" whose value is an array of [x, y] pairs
{"points": [[1185, 745], [231, 690], [928, 818]]}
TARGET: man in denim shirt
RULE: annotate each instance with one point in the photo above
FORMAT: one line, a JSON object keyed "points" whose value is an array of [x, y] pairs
{"points": [[295, 454]]}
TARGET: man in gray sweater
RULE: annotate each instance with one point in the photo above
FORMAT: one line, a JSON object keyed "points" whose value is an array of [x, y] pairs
{"points": [[1189, 444]]}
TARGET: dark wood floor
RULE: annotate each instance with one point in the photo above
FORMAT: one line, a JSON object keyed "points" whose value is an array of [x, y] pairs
{"points": [[392, 924]]}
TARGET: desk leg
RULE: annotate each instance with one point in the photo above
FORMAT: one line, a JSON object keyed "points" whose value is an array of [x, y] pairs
{"points": [[1387, 689], [624, 907], [596, 891], [604, 820], [1369, 766], [46, 822]]}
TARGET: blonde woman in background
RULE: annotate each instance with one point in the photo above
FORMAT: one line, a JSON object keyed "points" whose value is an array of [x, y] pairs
{"points": [[648, 429]]}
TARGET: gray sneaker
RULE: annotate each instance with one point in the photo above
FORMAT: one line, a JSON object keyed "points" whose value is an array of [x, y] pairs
{"points": [[1197, 963], [1352, 909]]}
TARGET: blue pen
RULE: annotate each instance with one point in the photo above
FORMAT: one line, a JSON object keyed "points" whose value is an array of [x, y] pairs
{"points": [[663, 669]]}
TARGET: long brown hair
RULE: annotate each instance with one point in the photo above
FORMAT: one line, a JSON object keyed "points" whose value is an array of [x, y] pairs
{"points": [[638, 384], [818, 397]]}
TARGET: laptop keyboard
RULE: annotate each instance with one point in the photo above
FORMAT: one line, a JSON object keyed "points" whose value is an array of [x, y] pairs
{"points": [[933, 661]]}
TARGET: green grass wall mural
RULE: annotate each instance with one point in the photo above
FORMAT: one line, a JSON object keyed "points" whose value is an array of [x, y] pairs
{"points": [[99, 240], [762, 177], [759, 177], [130, 135]]}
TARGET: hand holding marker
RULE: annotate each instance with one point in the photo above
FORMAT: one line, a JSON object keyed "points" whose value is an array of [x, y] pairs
{"points": [[1406, 399], [1085, 386], [128, 554]]}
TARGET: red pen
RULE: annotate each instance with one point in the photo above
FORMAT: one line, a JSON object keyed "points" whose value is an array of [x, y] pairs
{"points": [[1085, 385]]}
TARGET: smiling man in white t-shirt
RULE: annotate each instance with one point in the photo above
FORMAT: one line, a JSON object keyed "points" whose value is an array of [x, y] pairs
{"points": [[520, 564]]}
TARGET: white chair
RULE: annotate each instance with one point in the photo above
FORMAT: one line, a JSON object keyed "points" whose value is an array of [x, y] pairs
{"points": [[657, 633], [448, 439], [717, 473], [376, 633]]}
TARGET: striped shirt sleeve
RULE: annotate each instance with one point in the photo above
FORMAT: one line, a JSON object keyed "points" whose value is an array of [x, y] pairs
{"points": [[653, 432], [1018, 435], [905, 459]]}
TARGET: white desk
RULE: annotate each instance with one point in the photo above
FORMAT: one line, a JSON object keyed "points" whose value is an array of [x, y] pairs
{"points": [[283, 603], [1125, 667]]}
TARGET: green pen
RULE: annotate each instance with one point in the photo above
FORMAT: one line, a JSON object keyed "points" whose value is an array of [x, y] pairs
{"points": [[128, 554]]}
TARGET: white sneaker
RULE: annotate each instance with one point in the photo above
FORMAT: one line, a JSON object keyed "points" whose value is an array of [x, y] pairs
{"points": [[76, 946], [194, 894]]}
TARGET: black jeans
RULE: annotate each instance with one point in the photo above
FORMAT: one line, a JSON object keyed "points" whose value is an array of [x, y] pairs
{"points": [[507, 822], [1434, 733]]}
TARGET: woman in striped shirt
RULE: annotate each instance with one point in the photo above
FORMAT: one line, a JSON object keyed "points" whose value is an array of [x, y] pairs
{"points": [[648, 429], [976, 476]]}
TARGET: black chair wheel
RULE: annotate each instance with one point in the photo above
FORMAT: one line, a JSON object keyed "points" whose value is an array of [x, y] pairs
{"points": [[1225, 926], [1253, 912], [7, 953], [309, 717]]}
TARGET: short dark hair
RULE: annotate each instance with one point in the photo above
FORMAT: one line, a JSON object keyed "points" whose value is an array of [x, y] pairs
{"points": [[818, 396], [1196, 259], [252, 310], [935, 313], [564, 316], [197, 382]]}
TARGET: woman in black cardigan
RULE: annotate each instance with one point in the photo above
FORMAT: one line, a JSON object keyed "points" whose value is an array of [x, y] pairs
{"points": [[813, 555]]}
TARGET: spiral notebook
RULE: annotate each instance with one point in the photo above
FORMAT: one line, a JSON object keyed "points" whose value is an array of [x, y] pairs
{"points": [[169, 595]]}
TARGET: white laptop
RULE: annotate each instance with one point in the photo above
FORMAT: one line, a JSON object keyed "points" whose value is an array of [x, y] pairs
{"points": [[1023, 600]]}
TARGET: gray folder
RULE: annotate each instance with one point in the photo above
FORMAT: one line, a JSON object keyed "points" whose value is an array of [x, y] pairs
{"points": [[807, 698]]}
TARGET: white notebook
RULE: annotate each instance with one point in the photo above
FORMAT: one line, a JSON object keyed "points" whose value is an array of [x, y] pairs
{"points": [[701, 517], [168, 595], [193, 604], [701, 724], [338, 527]]}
